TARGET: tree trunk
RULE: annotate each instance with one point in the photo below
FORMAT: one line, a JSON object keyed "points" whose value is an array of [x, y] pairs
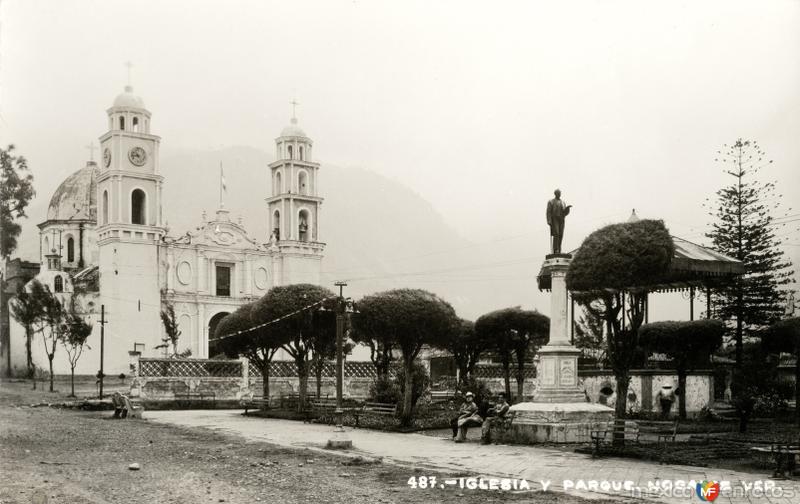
{"points": [[50, 359], [797, 388], [29, 354], [739, 330], [507, 378], [682, 395], [318, 375], [408, 393], [520, 380], [620, 408], [302, 374], [265, 383], [72, 381]]}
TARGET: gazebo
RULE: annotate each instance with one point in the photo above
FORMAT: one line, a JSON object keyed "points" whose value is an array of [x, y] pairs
{"points": [[693, 267]]}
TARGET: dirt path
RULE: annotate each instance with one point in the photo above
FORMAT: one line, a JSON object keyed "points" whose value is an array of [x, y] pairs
{"points": [[67, 456]]}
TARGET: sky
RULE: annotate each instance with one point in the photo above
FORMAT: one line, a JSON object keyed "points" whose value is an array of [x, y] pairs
{"points": [[482, 108]]}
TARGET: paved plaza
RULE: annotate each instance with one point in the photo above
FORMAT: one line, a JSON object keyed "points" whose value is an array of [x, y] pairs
{"points": [[531, 463]]}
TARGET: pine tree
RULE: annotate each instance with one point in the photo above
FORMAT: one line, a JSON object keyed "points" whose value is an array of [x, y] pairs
{"points": [[746, 229]]}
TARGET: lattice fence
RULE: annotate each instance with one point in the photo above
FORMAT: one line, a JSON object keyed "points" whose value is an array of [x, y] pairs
{"points": [[190, 368], [288, 369], [496, 371]]}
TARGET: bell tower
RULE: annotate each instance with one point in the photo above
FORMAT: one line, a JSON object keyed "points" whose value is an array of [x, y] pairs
{"points": [[294, 208], [129, 225]]}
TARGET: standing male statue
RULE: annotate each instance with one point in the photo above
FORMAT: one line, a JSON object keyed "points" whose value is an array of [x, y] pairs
{"points": [[556, 212]]}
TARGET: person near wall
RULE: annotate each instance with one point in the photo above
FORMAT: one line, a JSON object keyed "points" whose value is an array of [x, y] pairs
{"points": [[666, 397], [497, 412]]}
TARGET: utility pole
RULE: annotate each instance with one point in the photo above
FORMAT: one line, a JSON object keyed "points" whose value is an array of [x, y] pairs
{"points": [[102, 344], [340, 438]]}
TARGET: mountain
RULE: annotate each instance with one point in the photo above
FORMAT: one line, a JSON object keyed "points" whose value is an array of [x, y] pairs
{"points": [[379, 233]]}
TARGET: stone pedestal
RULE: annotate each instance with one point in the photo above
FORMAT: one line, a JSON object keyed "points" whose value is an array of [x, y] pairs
{"points": [[559, 412]]}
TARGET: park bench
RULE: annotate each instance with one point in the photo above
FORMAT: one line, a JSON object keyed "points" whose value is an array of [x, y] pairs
{"points": [[664, 431], [255, 402], [784, 455], [196, 397], [375, 408], [326, 409], [604, 434], [440, 396], [135, 408]]}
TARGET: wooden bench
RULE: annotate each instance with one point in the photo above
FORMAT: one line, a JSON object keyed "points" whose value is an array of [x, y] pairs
{"points": [[784, 455], [440, 396], [665, 431], [600, 436], [374, 408], [134, 407], [255, 402], [197, 397]]}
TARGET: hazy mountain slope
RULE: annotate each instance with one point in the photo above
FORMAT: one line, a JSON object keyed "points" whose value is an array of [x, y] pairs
{"points": [[379, 233]]}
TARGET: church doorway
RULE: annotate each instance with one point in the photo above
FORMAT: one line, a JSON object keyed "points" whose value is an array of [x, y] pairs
{"points": [[213, 347]]}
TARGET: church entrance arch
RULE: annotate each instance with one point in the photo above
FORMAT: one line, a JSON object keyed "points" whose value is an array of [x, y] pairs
{"points": [[213, 347]]}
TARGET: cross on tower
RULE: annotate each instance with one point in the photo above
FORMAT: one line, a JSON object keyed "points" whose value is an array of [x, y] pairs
{"points": [[91, 148], [129, 65], [294, 109]]}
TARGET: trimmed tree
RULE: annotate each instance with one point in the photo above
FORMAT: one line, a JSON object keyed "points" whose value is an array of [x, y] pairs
{"points": [[745, 228], [612, 271], [410, 318], [301, 326], [323, 348], [368, 328], [51, 321], [236, 337], [74, 334], [466, 347], [688, 344], [513, 331], [784, 336]]}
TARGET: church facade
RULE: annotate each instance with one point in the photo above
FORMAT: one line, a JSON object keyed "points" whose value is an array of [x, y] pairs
{"points": [[105, 246]]}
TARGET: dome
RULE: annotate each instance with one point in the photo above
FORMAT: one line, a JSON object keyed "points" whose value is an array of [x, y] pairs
{"points": [[293, 130], [76, 197], [128, 100]]}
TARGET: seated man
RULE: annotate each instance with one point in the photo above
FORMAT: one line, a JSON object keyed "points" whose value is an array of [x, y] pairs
{"points": [[120, 407], [468, 417], [497, 412]]}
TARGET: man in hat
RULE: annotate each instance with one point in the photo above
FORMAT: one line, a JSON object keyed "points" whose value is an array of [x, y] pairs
{"points": [[467, 411]]}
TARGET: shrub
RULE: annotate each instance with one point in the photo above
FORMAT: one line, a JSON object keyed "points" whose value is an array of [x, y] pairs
{"points": [[384, 390]]}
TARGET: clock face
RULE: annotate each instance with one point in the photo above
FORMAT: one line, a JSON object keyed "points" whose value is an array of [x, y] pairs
{"points": [[107, 157], [137, 156]]}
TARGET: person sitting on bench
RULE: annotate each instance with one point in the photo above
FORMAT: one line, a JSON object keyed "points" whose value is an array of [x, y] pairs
{"points": [[120, 406], [467, 417], [497, 412]]}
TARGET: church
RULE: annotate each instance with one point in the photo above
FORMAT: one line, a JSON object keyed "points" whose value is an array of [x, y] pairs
{"points": [[105, 247]]}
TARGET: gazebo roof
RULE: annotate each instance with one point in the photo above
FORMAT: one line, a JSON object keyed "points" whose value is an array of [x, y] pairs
{"points": [[692, 265]]}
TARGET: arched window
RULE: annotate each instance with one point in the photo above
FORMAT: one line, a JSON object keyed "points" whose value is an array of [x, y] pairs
{"points": [[105, 207], [136, 124], [138, 207], [276, 224], [290, 152], [303, 226], [278, 186], [302, 182], [46, 248], [301, 153], [121, 123], [70, 249], [58, 284]]}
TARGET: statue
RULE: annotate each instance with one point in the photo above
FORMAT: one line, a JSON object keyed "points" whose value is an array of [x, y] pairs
{"points": [[556, 212]]}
